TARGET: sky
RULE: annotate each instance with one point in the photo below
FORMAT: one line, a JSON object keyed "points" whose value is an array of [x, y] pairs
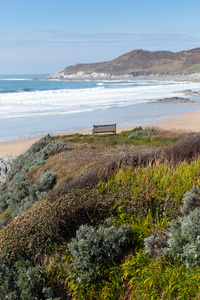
{"points": [[45, 36]]}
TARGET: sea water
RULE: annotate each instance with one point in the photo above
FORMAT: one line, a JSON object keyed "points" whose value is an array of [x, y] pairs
{"points": [[30, 106]]}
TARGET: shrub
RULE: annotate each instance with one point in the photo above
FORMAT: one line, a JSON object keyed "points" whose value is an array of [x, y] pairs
{"points": [[39, 145], [36, 155], [190, 201], [94, 249], [21, 193], [22, 281], [184, 239], [146, 131], [47, 181], [155, 243]]}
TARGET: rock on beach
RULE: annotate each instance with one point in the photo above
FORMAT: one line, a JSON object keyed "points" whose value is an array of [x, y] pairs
{"points": [[172, 100]]}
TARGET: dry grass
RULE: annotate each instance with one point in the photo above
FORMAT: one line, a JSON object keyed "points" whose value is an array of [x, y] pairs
{"points": [[82, 160], [170, 133], [85, 163]]}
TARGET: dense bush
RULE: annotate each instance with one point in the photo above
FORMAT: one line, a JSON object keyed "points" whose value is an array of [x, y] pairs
{"points": [[94, 249], [36, 155], [47, 181], [51, 222], [146, 131], [184, 239], [22, 281], [155, 243], [20, 193], [191, 201]]}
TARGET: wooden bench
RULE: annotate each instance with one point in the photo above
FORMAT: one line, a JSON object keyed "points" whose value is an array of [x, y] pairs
{"points": [[104, 129]]}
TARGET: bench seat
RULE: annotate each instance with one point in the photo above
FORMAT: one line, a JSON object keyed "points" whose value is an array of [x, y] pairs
{"points": [[104, 129]]}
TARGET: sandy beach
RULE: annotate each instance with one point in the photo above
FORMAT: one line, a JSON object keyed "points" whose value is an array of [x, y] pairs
{"points": [[187, 121]]}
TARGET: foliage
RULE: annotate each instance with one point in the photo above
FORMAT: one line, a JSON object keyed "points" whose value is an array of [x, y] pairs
{"points": [[191, 200], [20, 193], [23, 281], [145, 195], [147, 131], [155, 243], [94, 249], [159, 279], [184, 239], [56, 272], [140, 277], [158, 187], [47, 181], [50, 222]]}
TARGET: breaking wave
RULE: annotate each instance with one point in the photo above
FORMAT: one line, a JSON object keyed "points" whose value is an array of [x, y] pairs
{"points": [[29, 102]]}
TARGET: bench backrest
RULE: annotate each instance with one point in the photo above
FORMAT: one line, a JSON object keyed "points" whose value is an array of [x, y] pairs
{"points": [[104, 128]]}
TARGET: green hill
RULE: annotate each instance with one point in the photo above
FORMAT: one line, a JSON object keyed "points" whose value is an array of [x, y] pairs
{"points": [[138, 63]]}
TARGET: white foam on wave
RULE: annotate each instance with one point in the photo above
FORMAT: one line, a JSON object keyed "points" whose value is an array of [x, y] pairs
{"points": [[27, 104], [16, 79]]}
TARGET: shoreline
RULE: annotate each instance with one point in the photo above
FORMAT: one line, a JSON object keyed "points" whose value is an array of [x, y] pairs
{"points": [[187, 121]]}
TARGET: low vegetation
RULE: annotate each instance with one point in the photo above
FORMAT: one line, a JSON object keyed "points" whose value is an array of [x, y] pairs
{"points": [[19, 193], [111, 220], [23, 281], [93, 250], [153, 137], [147, 131]]}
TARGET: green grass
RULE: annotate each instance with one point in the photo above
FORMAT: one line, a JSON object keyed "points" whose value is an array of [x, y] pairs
{"points": [[160, 279], [158, 188], [117, 139]]}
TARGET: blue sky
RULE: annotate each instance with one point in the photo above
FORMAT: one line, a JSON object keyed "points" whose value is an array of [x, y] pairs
{"points": [[40, 36]]}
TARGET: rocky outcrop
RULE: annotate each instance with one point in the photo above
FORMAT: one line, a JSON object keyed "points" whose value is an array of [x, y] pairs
{"points": [[103, 76], [5, 164], [190, 92], [173, 100]]}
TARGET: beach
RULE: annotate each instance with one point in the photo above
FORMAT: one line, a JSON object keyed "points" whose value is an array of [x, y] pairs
{"points": [[187, 122], [30, 108]]}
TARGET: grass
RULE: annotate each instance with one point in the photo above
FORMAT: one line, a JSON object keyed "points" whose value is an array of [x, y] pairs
{"points": [[193, 69], [159, 138], [160, 279], [158, 187]]}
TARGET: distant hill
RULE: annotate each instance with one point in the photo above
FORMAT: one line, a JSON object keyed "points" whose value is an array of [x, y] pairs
{"points": [[137, 63]]}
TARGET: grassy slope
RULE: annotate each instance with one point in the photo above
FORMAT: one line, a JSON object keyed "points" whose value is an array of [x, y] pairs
{"points": [[144, 191]]}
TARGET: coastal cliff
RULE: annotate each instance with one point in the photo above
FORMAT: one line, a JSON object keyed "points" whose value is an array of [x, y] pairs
{"points": [[138, 65]]}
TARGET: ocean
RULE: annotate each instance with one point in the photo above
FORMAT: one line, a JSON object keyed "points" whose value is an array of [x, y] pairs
{"points": [[30, 107]]}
